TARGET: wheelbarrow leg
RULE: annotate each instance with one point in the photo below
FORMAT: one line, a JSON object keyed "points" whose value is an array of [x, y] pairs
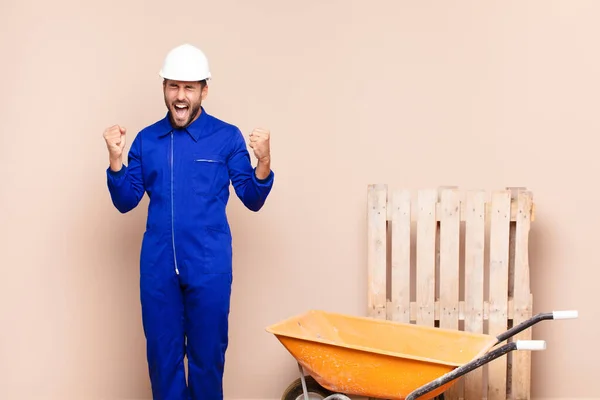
{"points": [[303, 380], [335, 396]]}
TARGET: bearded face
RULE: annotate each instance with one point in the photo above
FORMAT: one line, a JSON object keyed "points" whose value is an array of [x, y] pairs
{"points": [[183, 100]]}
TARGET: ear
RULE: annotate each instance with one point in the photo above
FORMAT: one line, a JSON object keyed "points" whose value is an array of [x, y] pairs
{"points": [[204, 92]]}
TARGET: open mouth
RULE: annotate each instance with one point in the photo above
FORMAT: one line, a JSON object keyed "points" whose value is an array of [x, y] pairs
{"points": [[180, 110]]}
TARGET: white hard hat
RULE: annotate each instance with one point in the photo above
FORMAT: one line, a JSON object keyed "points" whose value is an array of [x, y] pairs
{"points": [[185, 63]]}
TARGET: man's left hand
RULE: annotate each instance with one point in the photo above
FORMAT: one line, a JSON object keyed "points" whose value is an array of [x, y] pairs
{"points": [[259, 142]]}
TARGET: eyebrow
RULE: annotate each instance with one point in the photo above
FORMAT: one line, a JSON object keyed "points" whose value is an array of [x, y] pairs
{"points": [[187, 85]]}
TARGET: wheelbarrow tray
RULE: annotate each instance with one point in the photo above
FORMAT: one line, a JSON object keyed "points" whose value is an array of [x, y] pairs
{"points": [[376, 358]]}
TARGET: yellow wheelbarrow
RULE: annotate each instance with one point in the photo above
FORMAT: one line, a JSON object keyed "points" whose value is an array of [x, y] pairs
{"points": [[346, 355]]}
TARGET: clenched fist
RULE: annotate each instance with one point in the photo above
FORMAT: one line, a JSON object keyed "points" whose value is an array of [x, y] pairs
{"points": [[115, 142], [259, 142]]}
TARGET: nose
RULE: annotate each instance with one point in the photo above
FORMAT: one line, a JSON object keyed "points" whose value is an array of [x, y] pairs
{"points": [[181, 94]]}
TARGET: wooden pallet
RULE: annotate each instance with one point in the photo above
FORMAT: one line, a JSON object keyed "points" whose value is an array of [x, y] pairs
{"points": [[455, 259]]}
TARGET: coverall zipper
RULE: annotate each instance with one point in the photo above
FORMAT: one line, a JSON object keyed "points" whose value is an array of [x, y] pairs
{"points": [[173, 210]]}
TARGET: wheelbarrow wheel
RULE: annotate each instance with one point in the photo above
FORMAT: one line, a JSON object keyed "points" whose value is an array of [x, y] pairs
{"points": [[315, 391]]}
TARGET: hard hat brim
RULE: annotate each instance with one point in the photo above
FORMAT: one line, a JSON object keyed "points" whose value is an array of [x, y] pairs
{"points": [[185, 78]]}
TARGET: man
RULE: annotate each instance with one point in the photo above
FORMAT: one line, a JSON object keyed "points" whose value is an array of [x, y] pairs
{"points": [[185, 163]]}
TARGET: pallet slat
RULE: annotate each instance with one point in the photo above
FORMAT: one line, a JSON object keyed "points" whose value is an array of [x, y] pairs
{"points": [[401, 224], [521, 368], [513, 211], [474, 305], [449, 258], [377, 247], [496, 227], [449, 268], [426, 230], [499, 260]]}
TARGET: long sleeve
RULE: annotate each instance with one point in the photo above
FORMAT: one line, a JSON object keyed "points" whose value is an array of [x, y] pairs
{"points": [[126, 186], [253, 192]]}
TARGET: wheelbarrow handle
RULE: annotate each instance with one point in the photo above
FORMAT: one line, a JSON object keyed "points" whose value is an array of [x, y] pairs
{"points": [[534, 320], [571, 314], [531, 345]]}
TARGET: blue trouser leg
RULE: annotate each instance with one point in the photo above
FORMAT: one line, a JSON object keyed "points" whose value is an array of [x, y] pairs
{"points": [[207, 300], [162, 316]]}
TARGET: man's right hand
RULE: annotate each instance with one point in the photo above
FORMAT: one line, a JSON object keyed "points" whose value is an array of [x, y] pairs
{"points": [[115, 142]]}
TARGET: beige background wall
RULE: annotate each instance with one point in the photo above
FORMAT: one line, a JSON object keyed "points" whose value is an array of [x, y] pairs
{"points": [[410, 93]]}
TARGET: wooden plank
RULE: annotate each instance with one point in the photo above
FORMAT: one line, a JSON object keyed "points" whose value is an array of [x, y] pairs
{"points": [[511, 274], [449, 258], [426, 238], [462, 310], [400, 242], [449, 269], [498, 320], [376, 250], [513, 212], [474, 283], [521, 360]]}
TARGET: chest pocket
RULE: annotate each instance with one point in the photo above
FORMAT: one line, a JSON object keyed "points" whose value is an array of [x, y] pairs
{"points": [[207, 173]]}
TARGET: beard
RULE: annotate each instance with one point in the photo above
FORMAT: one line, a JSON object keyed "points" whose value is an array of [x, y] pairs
{"points": [[182, 118]]}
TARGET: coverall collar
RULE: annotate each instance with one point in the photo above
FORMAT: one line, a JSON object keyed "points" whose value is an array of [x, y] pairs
{"points": [[195, 129]]}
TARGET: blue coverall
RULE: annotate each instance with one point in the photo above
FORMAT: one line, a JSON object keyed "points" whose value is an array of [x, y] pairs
{"points": [[186, 252]]}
